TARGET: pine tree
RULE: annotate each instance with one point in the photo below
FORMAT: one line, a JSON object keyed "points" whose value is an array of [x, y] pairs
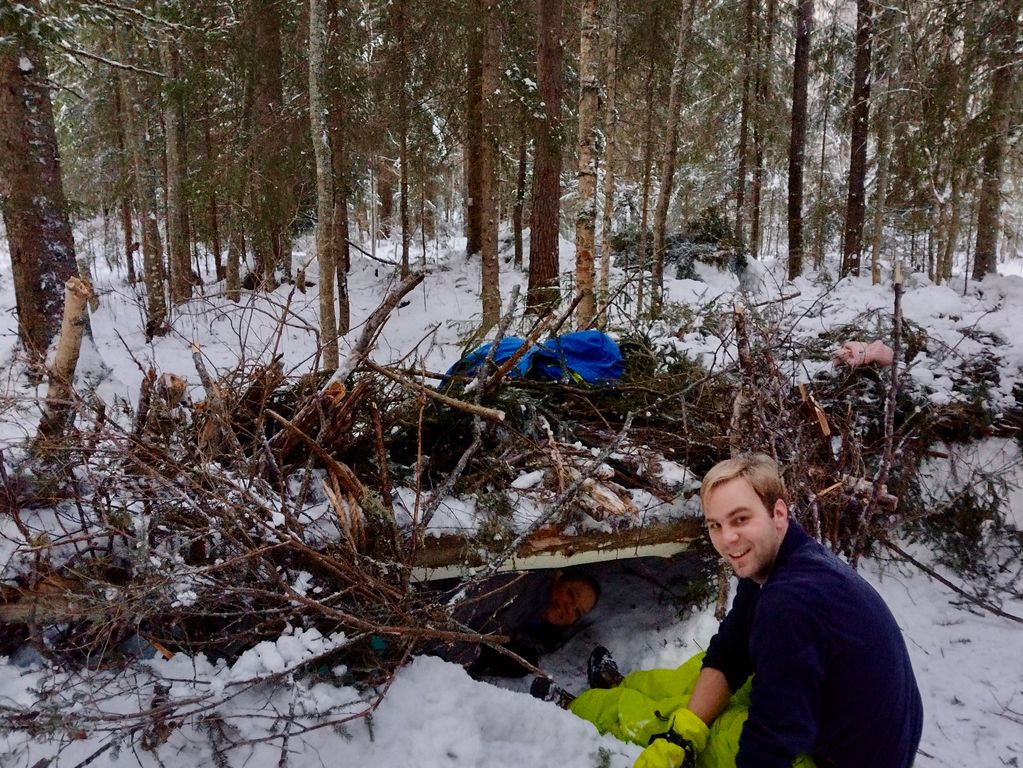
{"points": [[546, 204], [797, 139], [31, 188]]}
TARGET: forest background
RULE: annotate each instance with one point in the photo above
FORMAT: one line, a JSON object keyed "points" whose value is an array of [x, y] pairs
{"points": [[219, 131]]}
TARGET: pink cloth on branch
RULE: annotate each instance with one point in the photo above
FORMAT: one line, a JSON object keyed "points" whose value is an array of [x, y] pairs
{"points": [[857, 353]]}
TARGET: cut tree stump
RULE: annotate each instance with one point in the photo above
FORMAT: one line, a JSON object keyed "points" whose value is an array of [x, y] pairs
{"points": [[58, 410]]}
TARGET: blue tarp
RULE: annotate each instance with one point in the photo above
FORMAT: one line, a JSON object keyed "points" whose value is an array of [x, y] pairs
{"points": [[588, 356]]}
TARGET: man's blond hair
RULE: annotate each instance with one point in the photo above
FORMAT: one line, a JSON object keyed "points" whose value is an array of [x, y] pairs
{"points": [[758, 469]]}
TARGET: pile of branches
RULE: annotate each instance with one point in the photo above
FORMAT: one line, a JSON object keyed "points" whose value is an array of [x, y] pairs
{"points": [[271, 505], [209, 527]]}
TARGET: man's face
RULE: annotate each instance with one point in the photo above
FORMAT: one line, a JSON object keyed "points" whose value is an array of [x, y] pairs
{"points": [[570, 601], [744, 531]]}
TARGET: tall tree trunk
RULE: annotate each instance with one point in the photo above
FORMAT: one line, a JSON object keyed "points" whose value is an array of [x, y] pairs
{"points": [[744, 121], [337, 70], [325, 257], [473, 139], [31, 189], [174, 130], [235, 257], [952, 232], [765, 56], [821, 214], [884, 154], [648, 159], [586, 157], [338, 128], [797, 139], [546, 205], [1003, 72], [856, 204], [270, 196], [341, 235], [491, 83], [678, 74], [385, 196], [403, 128], [610, 66], [145, 183], [130, 246], [214, 214], [520, 196], [125, 182]]}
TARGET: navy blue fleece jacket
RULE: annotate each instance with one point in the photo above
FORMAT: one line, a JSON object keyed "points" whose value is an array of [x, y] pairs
{"points": [[832, 677]]}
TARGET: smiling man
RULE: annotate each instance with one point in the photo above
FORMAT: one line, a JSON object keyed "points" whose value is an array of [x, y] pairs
{"points": [[831, 677]]}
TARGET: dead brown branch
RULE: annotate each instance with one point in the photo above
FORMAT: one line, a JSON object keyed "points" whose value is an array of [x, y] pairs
{"points": [[490, 414]]}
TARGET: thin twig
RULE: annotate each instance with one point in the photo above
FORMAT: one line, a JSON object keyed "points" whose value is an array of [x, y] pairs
{"points": [[109, 62], [938, 577], [369, 255], [883, 471]]}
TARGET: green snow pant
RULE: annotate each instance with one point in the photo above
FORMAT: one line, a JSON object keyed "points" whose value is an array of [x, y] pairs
{"points": [[643, 703]]}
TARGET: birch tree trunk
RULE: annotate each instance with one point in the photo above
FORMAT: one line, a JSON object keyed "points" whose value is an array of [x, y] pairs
{"points": [[586, 218], [610, 66], [324, 185], [678, 74]]}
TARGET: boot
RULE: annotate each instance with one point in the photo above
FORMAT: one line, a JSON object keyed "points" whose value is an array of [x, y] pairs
{"points": [[601, 669], [546, 690]]}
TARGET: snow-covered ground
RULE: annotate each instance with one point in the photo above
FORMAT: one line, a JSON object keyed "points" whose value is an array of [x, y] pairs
{"points": [[968, 662]]}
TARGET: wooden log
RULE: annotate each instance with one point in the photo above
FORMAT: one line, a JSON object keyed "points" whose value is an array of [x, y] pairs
{"points": [[447, 556]]}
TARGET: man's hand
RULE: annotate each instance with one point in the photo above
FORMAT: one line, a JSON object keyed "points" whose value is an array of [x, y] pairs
{"points": [[678, 746], [664, 754]]}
